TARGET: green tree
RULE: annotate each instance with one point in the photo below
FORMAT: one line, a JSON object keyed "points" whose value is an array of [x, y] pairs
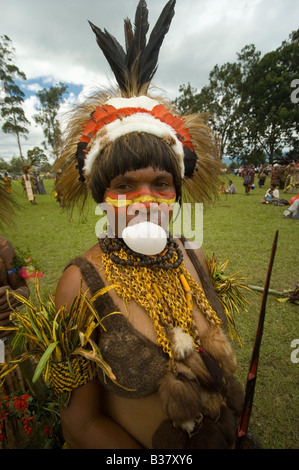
{"points": [[4, 165], [12, 113], [47, 116], [36, 157], [16, 164], [187, 102], [219, 101], [252, 103], [270, 117]]}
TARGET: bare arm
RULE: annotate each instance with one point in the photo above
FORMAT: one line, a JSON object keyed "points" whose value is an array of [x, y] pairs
{"points": [[84, 424], [86, 427]]}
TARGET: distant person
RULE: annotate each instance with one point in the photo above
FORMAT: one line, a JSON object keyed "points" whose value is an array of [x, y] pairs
{"points": [[7, 183], [222, 189], [249, 179], [40, 184], [28, 183], [262, 175], [293, 211], [232, 188], [275, 175], [294, 178], [271, 195], [58, 191]]}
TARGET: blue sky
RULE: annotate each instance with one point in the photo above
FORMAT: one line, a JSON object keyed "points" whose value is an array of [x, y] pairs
{"points": [[31, 87]]}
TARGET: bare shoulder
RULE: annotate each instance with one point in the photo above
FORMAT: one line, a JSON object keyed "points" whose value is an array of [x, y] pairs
{"points": [[71, 282], [68, 286], [198, 252]]}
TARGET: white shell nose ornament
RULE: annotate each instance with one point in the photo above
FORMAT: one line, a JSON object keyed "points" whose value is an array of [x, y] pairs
{"points": [[145, 238]]}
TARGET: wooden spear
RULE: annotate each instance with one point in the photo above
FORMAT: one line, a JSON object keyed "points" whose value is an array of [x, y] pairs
{"points": [[251, 379]]}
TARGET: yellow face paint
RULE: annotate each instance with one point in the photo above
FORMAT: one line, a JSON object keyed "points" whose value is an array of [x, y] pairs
{"points": [[139, 197]]}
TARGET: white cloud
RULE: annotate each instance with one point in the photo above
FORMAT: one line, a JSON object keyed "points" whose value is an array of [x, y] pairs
{"points": [[34, 87]]}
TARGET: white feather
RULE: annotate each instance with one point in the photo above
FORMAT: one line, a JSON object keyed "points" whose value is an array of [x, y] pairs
{"points": [[139, 122], [135, 102], [182, 343], [188, 426]]}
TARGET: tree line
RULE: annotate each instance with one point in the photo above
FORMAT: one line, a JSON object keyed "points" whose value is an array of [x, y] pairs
{"points": [[251, 104], [13, 116]]}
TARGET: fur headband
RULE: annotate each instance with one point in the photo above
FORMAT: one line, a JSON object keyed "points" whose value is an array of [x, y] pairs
{"points": [[121, 116]]}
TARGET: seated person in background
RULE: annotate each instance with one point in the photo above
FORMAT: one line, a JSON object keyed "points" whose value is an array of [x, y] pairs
{"points": [[222, 189], [232, 188], [271, 195]]}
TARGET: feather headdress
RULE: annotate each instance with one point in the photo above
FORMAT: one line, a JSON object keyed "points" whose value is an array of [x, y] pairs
{"points": [[108, 116], [135, 68]]}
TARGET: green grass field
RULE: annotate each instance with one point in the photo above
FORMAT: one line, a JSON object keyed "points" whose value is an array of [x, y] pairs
{"points": [[238, 228]]}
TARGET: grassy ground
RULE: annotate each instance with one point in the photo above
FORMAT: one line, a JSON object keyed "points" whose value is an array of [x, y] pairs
{"points": [[238, 228]]}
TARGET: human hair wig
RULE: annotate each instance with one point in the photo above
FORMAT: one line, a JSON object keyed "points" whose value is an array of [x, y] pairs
{"points": [[128, 153]]}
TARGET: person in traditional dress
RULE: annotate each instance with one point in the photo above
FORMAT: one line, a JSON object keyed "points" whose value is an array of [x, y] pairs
{"points": [[7, 183], [28, 184], [248, 181], [164, 335], [40, 184]]}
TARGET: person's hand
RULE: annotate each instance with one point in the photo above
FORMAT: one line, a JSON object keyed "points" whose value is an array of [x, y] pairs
{"points": [[5, 305], [5, 322]]}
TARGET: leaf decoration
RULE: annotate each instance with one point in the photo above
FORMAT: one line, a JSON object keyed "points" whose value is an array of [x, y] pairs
{"points": [[228, 289], [53, 336]]}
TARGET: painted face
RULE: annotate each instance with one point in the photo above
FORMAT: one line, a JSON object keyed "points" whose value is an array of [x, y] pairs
{"points": [[140, 195]]}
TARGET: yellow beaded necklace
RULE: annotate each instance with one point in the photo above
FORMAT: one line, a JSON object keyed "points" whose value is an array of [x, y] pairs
{"points": [[166, 295]]}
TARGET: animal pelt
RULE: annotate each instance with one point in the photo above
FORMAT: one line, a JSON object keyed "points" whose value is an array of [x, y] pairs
{"points": [[212, 403], [199, 369], [207, 435], [169, 437], [180, 394], [216, 344], [227, 424], [234, 395]]}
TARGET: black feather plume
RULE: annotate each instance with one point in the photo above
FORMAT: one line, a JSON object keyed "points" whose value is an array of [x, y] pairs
{"points": [[129, 35], [141, 27], [149, 59], [136, 67], [114, 54]]}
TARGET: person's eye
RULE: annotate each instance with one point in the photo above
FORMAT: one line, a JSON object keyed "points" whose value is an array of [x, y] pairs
{"points": [[161, 185], [123, 188]]}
